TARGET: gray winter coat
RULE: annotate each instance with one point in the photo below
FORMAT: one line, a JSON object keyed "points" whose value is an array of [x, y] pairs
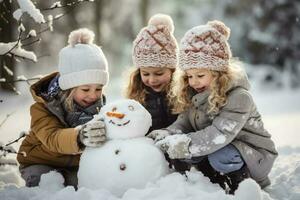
{"points": [[238, 123]]}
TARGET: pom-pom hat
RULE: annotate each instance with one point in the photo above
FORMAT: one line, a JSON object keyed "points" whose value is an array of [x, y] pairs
{"points": [[155, 45], [205, 46], [82, 62]]}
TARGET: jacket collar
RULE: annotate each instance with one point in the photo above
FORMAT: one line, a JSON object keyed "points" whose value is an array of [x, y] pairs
{"points": [[41, 85]]}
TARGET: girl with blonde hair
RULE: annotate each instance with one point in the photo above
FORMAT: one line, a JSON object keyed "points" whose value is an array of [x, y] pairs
{"points": [[219, 130]]}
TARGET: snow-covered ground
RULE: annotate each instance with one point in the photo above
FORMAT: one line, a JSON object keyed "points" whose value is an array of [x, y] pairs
{"points": [[281, 115]]}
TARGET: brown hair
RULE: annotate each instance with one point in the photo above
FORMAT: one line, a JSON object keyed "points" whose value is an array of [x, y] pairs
{"points": [[136, 89]]}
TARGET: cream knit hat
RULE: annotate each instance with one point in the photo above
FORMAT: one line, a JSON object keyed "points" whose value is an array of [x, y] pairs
{"points": [[82, 62], [205, 46], [155, 45]]}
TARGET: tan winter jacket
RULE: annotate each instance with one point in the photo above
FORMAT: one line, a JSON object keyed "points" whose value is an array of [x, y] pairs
{"points": [[50, 141]]}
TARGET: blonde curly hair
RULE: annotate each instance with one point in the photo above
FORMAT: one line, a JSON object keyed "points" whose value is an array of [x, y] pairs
{"points": [[181, 93], [136, 89]]}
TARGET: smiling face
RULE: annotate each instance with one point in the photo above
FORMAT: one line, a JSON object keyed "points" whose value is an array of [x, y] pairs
{"points": [[125, 119], [86, 95], [157, 78], [199, 79]]}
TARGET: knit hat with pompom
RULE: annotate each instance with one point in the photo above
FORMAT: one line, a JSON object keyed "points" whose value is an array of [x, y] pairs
{"points": [[82, 62], [155, 45], [205, 46]]}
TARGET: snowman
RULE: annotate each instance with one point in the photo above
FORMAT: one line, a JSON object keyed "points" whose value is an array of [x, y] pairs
{"points": [[128, 159]]}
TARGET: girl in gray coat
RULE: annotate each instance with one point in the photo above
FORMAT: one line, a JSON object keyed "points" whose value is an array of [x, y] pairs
{"points": [[219, 130]]}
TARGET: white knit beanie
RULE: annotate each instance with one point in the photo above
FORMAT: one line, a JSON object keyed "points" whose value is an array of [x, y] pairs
{"points": [[82, 62], [205, 46], [155, 45]]}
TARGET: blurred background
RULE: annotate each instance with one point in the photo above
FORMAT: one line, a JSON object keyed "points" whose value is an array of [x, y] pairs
{"points": [[264, 34]]}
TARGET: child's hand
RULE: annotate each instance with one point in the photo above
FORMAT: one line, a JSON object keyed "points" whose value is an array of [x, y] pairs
{"points": [[92, 134], [176, 146], [158, 135]]}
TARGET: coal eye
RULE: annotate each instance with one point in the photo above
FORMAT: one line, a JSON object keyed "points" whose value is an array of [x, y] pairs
{"points": [[131, 108]]}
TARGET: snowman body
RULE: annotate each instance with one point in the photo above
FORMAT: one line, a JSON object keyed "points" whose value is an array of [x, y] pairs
{"points": [[128, 159]]}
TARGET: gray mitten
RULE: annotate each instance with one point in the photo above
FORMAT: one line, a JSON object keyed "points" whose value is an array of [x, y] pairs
{"points": [[92, 134], [159, 134], [176, 146]]}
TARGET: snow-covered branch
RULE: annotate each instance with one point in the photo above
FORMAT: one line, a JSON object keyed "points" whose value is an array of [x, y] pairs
{"points": [[21, 79], [15, 48], [72, 4]]}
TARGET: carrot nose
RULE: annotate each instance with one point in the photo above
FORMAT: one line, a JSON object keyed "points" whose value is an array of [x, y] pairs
{"points": [[115, 114]]}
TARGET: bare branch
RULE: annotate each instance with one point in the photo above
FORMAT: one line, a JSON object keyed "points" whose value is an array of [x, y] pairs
{"points": [[17, 43], [5, 119], [23, 134]]}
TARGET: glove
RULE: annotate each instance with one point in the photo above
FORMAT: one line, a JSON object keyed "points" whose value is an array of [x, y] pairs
{"points": [[159, 134], [176, 146], [92, 134]]}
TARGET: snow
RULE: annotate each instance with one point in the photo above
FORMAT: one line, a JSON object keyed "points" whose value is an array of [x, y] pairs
{"points": [[56, 5], [32, 33], [15, 48], [280, 109], [133, 121], [219, 139], [8, 71], [29, 7], [123, 161], [121, 165], [17, 14], [52, 181]]}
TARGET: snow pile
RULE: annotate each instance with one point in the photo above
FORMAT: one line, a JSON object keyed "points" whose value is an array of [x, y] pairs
{"points": [[286, 177], [173, 186]]}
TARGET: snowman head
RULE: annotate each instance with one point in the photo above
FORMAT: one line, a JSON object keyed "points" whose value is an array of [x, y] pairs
{"points": [[125, 119]]}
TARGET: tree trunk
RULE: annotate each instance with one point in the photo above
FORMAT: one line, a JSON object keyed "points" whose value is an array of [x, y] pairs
{"points": [[99, 5], [144, 5], [6, 35]]}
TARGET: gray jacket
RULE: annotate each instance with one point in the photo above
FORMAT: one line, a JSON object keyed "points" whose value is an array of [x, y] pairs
{"points": [[238, 123]]}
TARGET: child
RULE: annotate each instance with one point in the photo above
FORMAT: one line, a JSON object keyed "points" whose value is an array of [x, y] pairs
{"points": [[155, 55], [222, 133], [64, 102]]}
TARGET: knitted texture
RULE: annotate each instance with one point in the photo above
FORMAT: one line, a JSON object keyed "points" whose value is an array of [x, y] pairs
{"points": [[155, 45], [82, 62], [205, 46]]}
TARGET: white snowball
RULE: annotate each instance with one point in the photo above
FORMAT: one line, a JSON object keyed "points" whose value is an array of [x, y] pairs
{"points": [[52, 181]]}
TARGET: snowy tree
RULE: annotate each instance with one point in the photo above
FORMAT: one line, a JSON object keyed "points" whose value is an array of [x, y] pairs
{"points": [[22, 25]]}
